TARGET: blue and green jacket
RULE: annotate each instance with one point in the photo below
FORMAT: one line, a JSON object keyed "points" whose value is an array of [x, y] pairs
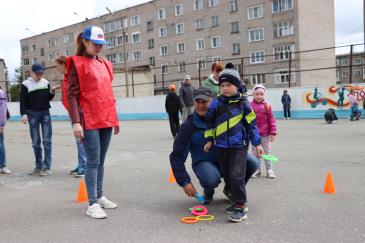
{"points": [[231, 122]]}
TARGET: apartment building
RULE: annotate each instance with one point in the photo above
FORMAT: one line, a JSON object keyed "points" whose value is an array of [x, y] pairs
{"points": [[262, 38], [343, 63]]}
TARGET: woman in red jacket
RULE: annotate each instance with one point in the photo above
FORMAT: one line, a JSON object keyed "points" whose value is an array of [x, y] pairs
{"points": [[92, 109]]}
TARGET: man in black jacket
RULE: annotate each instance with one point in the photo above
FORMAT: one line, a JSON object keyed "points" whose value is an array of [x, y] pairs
{"points": [[173, 105]]}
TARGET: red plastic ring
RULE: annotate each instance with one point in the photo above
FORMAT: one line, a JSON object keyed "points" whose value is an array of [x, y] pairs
{"points": [[200, 212]]}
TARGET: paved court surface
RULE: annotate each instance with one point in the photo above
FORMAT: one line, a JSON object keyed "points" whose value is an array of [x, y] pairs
{"points": [[290, 208]]}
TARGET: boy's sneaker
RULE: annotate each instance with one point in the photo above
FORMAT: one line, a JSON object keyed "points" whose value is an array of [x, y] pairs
{"points": [[95, 211], [208, 200], [5, 171], [238, 215], [74, 172], [270, 174], [231, 208], [45, 173], [80, 173], [105, 203], [256, 174], [35, 171]]}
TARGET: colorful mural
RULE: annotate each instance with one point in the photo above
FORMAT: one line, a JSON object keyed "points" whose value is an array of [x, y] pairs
{"points": [[336, 96]]}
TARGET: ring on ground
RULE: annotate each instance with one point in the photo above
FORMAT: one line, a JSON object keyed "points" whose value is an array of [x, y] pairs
{"points": [[204, 211], [189, 220], [205, 217]]}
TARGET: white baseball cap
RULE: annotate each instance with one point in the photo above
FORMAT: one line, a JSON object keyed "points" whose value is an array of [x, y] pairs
{"points": [[94, 34]]}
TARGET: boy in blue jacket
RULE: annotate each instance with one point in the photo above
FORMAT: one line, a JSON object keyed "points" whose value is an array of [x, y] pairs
{"points": [[230, 124]]}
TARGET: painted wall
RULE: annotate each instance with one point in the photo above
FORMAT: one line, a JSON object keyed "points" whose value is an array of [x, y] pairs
{"points": [[309, 102]]}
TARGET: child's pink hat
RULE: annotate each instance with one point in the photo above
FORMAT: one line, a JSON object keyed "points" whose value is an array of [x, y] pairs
{"points": [[258, 86]]}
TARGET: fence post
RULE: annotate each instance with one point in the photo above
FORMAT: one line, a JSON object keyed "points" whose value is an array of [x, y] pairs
{"points": [[163, 81], [241, 71], [351, 56], [199, 72], [289, 81], [133, 82]]}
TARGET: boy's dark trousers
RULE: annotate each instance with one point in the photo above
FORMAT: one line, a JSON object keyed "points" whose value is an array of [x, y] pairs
{"points": [[232, 162], [287, 112], [174, 123]]}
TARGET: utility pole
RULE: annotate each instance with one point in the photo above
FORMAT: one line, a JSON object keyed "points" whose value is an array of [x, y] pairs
{"points": [[351, 54], [289, 81], [125, 57]]}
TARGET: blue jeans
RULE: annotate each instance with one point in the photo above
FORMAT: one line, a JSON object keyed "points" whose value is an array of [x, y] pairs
{"points": [[36, 120], [81, 154], [2, 151], [209, 174], [96, 143]]}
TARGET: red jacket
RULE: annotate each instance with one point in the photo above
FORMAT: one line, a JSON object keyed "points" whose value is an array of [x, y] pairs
{"points": [[97, 102], [64, 92], [265, 120]]}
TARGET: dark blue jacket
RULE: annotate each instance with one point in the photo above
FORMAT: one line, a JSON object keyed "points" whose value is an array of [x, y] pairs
{"points": [[231, 122], [286, 101], [190, 139]]}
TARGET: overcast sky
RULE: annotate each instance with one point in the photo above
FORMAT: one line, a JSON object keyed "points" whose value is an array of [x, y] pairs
{"points": [[42, 16]]}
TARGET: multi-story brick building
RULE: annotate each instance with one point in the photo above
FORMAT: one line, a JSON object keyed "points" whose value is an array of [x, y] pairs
{"points": [[343, 64], [4, 79], [179, 36]]}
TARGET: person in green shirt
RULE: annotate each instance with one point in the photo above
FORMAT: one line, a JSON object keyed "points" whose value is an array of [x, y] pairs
{"points": [[212, 81]]}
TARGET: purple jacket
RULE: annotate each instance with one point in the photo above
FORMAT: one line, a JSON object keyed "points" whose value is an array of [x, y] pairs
{"points": [[3, 108], [265, 119]]}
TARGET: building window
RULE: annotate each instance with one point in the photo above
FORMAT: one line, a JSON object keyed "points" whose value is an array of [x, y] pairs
{"points": [[215, 21], [281, 5], [121, 40], [180, 47], [52, 56], [42, 52], [235, 27], [345, 74], [199, 24], [67, 38], [363, 73], [358, 61], [136, 37], [151, 43], [256, 35], [112, 58], [236, 49], [282, 76], [149, 25], [34, 48], [233, 5], [135, 20], [112, 42], [216, 59], [257, 79], [179, 29], [181, 67], [115, 25], [163, 31], [152, 61], [202, 63], [344, 62], [67, 52], [238, 68], [255, 12], [164, 69], [52, 42], [25, 61], [200, 45], [257, 57], [337, 74], [357, 73], [25, 49], [161, 14], [179, 9], [283, 29], [198, 5], [213, 3], [136, 55], [163, 50], [34, 60], [121, 56], [283, 52], [215, 41]]}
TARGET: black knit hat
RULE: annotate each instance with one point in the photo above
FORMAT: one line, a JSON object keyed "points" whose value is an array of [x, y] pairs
{"points": [[231, 76]]}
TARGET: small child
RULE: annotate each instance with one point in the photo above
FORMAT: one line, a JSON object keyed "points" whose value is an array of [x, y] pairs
{"points": [[230, 123], [355, 113], [266, 124], [330, 116]]}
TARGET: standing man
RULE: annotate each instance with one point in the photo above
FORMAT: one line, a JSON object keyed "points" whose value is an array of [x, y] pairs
{"points": [[212, 81], [187, 96], [173, 105], [3, 118], [34, 108], [286, 101]]}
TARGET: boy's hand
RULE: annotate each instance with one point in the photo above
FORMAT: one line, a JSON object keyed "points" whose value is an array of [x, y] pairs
{"points": [[116, 130], [259, 150], [271, 138], [189, 190], [208, 146], [78, 131], [25, 119], [54, 88]]}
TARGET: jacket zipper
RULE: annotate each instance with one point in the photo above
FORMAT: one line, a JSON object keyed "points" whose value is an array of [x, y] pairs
{"points": [[228, 143]]}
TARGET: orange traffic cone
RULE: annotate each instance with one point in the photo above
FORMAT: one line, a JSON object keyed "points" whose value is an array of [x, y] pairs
{"points": [[329, 186], [82, 194], [172, 177]]}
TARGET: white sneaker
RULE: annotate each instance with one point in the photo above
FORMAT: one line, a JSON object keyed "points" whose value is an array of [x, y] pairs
{"points": [[105, 203], [270, 174], [95, 211], [256, 174], [5, 171]]}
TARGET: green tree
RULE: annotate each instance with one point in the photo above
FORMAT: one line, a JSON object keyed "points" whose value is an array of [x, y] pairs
{"points": [[15, 88]]}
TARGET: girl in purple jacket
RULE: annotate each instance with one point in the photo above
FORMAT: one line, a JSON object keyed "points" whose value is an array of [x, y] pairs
{"points": [[266, 124]]}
